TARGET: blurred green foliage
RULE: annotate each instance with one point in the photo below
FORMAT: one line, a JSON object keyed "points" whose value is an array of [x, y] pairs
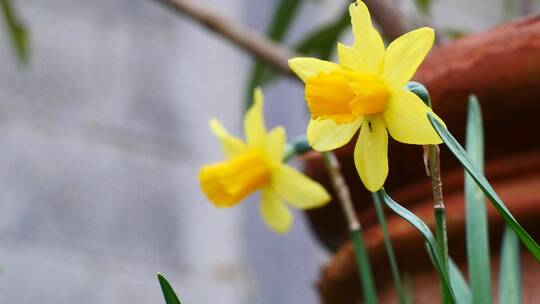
{"points": [[321, 42], [424, 6], [17, 31]]}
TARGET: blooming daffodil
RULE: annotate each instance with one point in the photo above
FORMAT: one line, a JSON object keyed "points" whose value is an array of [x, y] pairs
{"points": [[365, 91], [257, 164]]}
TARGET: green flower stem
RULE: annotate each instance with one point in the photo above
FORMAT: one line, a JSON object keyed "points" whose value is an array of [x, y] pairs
{"points": [[485, 186], [344, 197], [364, 269], [432, 163], [431, 242], [389, 249], [442, 242], [439, 210]]}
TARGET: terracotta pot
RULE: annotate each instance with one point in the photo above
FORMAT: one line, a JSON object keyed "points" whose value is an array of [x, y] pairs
{"points": [[517, 184], [502, 67]]}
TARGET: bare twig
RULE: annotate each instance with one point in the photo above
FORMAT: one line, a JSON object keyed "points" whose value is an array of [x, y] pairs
{"points": [[258, 45], [344, 197], [342, 191], [276, 55]]}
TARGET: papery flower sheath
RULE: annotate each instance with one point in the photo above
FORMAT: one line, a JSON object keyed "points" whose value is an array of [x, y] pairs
{"points": [[366, 91], [257, 164]]}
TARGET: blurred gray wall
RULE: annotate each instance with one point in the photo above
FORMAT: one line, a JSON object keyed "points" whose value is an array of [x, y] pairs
{"points": [[101, 138]]}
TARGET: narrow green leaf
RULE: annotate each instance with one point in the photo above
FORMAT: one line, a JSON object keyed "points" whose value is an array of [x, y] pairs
{"points": [[408, 289], [17, 31], [510, 272], [424, 6], [419, 90], [476, 216], [432, 245], [168, 291], [442, 238], [389, 249], [459, 285], [482, 182], [260, 74], [461, 290], [281, 21], [364, 268], [322, 41]]}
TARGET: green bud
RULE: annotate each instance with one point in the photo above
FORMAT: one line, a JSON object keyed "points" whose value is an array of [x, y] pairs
{"points": [[419, 90]]}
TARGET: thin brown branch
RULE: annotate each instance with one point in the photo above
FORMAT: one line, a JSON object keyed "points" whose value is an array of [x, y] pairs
{"points": [[386, 14], [342, 191], [252, 42], [435, 175]]}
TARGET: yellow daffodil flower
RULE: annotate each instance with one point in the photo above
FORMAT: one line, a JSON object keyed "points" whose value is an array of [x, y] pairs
{"points": [[257, 164], [366, 91]]}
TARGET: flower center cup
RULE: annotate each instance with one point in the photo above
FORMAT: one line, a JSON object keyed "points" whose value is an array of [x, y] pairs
{"points": [[227, 183], [343, 95]]}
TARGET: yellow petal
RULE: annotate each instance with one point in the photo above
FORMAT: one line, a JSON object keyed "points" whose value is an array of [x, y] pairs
{"points": [[404, 55], [330, 96], [274, 212], [308, 67], [297, 189], [326, 135], [275, 144], [405, 117], [230, 145], [367, 52], [371, 153], [254, 126], [228, 182]]}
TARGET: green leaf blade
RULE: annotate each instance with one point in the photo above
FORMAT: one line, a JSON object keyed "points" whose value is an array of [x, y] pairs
{"points": [[510, 272], [168, 291], [282, 20], [463, 293], [476, 216], [432, 245], [482, 182], [17, 31], [322, 41], [423, 5], [389, 248]]}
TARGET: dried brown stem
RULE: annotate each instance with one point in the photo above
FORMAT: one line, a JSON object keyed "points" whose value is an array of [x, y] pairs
{"points": [[435, 175], [342, 191], [389, 18], [252, 42]]}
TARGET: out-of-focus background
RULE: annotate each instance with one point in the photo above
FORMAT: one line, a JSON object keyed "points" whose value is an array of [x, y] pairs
{"points": [[101, 138]]}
